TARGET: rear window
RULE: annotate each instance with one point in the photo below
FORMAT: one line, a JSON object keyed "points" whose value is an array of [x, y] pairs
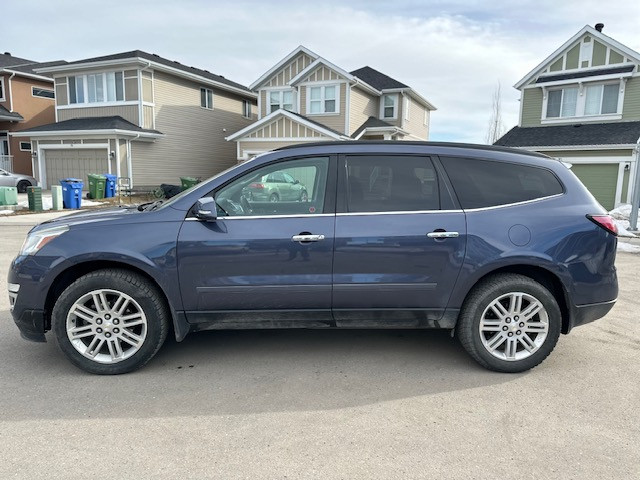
{"points": [[483, 183]]}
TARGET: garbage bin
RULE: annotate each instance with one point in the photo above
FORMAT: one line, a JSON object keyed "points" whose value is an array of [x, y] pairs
{"points": [[8, 196], [34, 195], [188, 182], [72, 192], [96, 185], [110, 185]]}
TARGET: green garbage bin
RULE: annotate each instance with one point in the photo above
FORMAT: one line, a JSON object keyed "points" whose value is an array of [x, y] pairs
{"points": [[34, 195], [97, 184], [188, 182], [8, 196]]}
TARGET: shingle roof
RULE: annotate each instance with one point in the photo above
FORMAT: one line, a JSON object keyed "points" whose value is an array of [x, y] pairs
{"points": [[31, 67], [370, 123], [615, 133], [585, 73], [163, 61], [91, 123], [377, 79], [7, 60], [11, 116]]}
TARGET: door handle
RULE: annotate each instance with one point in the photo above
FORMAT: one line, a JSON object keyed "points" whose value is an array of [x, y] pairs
{"points": [[443, 234], [307, 238]]}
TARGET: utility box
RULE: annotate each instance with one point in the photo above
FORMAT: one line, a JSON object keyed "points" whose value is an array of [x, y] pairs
{"points": [[34, 195], [56, 197], [8, 196]]}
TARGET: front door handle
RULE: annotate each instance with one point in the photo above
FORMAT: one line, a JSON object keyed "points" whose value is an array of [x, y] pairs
{"points": [[307, 238], [442, 234]]}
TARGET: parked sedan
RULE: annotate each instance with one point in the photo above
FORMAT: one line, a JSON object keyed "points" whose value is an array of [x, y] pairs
{"points": [[276, 187], [18, 180]]}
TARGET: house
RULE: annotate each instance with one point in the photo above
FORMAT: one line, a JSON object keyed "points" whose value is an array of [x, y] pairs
{"points": [[306, 98], [582, 105], [26, 100], [139, 116]]}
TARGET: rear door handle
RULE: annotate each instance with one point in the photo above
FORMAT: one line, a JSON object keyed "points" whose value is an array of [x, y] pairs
{"points": [[307, 238], [443, 234]]}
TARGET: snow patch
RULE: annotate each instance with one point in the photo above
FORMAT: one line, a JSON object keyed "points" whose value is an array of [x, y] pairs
{"points": [[6, 212], [627, 247], [621, 216]]}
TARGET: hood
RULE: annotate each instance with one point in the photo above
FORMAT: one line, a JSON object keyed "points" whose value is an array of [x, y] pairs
{"points": [[92, 216]]}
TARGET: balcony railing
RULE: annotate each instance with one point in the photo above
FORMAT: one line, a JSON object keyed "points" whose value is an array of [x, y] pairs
{"points": [[6, 162]]}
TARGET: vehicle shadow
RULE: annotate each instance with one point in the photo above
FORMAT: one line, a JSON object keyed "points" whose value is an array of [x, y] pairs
{"points": [[239, 372]]}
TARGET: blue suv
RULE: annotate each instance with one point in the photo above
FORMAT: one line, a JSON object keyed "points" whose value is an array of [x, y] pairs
{"points": [[506, 249]]}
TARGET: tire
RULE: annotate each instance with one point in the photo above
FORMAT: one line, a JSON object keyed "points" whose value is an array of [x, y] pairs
{"points": [[23, 185], [500, 342], [304, 196], [274, 198], [139, 339]]}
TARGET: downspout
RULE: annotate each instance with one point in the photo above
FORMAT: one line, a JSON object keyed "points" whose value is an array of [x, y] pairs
{"points": [[129, 163], [635, 198], [11, 92]]}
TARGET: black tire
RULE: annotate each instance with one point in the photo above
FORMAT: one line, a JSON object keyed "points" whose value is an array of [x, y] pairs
{"points": [[274, 198], [304, 196], [147, 295], [23, 185], [479, 299]]}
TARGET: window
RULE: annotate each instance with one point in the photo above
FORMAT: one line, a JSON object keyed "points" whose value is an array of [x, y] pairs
{"points": [[391, 184], [292, 187], [389, 105], [562, 103], [601, 99], [42, 92], [483, 183], [322, 99], [246, 108], [281, 99], [25, 146], [2, 89], [406, 108], [96, 88], [206, 98]]}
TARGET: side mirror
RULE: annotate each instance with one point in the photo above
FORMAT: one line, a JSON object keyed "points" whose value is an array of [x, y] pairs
{"points": [[296, 182], [205, 209]]}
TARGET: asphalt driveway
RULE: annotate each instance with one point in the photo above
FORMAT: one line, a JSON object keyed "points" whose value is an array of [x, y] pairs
{"points": [[326, 404]]}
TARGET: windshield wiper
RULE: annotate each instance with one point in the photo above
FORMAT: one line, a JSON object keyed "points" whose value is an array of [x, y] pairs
{"points": [[149, 206]]}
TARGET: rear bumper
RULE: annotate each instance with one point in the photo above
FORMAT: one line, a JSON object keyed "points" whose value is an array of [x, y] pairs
{"points": [[582, 314]]}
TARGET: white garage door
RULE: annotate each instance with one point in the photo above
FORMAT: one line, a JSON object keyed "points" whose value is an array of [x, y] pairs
{"points": [[60, 164]]}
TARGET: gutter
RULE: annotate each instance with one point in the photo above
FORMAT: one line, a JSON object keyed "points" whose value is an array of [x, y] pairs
{"points": [[635, 198]]}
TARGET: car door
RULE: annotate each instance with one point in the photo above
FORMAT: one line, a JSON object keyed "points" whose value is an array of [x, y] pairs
{"points": [[400, 242], [262, 261]]}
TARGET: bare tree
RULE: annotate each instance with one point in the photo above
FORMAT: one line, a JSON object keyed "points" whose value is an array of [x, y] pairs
{"points": [[496, 127]]}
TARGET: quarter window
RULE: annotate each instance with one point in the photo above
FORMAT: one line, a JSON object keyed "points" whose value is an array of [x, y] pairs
{"points": [[391, 184], [323, 99], [281, 99], [206, 98], [483, 183]]}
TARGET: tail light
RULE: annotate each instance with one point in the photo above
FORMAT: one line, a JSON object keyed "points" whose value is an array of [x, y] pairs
{"points": [[258, 186], [604, 221]]}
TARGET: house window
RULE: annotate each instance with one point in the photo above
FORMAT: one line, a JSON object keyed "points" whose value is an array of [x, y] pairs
{"points": [[25, 146], [322, 99], [42, 92], [246, 108], [206, 98], [601, 99], [2, 99], [97, 88], [562, 103], [389, 106], [406, 108], [595, 99], [281, 99]]}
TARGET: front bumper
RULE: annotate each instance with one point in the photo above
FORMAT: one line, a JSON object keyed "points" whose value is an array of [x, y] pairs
{"points": [[31, 325]]}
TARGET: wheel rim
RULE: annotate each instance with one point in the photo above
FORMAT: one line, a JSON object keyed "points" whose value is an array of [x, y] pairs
{"points": [[273, 198], [514, 326], [106, 326]]}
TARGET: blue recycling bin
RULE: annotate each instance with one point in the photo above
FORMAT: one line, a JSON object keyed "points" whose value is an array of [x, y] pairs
{"points": [[110, 185], [71, 192]]}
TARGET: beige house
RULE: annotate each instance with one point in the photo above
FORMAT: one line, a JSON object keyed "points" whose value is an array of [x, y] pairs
{"points": [[141, 117], [306, 98]]}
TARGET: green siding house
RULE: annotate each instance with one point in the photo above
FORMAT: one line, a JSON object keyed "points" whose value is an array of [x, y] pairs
{"points": [[582, 105]]}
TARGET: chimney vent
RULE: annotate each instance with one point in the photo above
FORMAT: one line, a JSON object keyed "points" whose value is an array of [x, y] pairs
{"points": [[599, 26], [7, 53]]}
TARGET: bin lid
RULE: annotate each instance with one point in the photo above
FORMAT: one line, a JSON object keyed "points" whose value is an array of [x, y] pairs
{"points": [[72, 180], [96, 175]]}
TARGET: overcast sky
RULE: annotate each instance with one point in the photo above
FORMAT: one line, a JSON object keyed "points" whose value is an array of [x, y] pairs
{"points": [[453, 53]]}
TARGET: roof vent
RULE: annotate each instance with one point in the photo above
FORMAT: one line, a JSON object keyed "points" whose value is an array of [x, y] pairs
{"points": [[7, 53], [599, 27]]}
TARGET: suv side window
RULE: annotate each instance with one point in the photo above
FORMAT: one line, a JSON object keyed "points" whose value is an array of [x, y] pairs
{"points": [[485, 183], [386, 183], [258, 192]]}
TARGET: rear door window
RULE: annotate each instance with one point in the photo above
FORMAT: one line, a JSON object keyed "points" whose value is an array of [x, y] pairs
{"points": [[484, 183]]}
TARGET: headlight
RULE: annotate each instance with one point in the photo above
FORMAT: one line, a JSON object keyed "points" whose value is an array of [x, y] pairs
{"points": [[36, 240]]}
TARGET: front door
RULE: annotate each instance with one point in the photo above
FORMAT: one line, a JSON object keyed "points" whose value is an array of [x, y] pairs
{"points": [[264, 260], [399, 243]]}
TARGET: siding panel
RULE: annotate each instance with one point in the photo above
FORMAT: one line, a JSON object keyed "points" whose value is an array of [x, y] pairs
{"points": [[362, 106], [128, 112], [415, 125], [631, 107], [531, 107]]}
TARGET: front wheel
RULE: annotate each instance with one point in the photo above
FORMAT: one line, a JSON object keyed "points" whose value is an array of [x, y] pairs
{"points": [[509, 323], [23, 185], [110, 321]]}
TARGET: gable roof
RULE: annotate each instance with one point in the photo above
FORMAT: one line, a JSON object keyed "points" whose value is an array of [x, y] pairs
{"points": [[113, 124], [613, 133], [139, 56], [371, 122], [6, 115], [377, 79], [8, 60], [265, 76], [587, 29]]}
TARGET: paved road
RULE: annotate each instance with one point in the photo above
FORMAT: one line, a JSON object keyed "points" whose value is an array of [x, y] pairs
{"points": [[326, 404]]}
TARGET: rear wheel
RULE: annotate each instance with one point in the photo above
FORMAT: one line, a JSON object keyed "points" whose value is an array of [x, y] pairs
{"points": [[23, 185], [110, 321], [274, 198], [509, 323]]}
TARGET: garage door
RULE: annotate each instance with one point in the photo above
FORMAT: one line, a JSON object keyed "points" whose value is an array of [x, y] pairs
{"points": [[79, 163], [601, 180]]}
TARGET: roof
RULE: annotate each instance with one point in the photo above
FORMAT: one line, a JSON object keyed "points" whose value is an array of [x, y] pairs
{"points": [[10, 116], [114, 123], [613, 133], [377, 79], [266, 75], [8, 60], [585, 73], [152, 57], [31, 67], [372, 122]]}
